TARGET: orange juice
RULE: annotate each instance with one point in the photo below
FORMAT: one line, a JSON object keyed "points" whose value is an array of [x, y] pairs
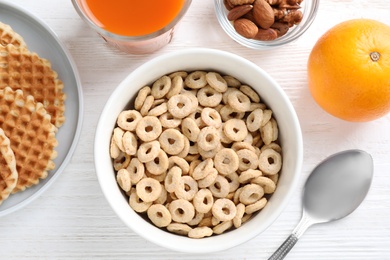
{"points": [[132, 17]]}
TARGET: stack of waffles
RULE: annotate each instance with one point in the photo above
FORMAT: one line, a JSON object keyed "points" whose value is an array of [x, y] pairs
{"points": [[32, 106]]}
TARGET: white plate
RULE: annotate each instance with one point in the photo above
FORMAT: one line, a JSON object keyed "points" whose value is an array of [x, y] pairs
{"points": [[42, 40]]}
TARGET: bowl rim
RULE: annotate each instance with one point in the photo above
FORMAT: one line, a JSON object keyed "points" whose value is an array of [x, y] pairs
{"points": [[145, 229]]}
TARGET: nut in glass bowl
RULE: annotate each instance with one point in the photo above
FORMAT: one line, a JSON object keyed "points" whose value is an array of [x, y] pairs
{"points": [[280, 22]]}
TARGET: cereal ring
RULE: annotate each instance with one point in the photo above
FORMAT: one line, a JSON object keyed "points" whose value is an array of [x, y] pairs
{"points": [[209, 97], [163, 196], [211, 117], [159, 178], [246, 217], [255, 106], [237, 220], [250, 93], [226, 161], [236, 197], [149, 128], [209, 154], [267, 115], [266, 183], [226, 94], [130, 144], [224, 138], [205, 222], [228, 113], [178, 161], [254, 120], [193, 148], [216, 81], [193, 165], [148, 189], [159, 164], [148, 151], [136, 202], [114, 149], [274, 178], [232, 81], [247, 159], [168, 121], [224, 209], [118, 138], [179, 228], [190, 129], [182, 211], [182, 74], [235, 129], [232, 179], [200, 232], [248, 139], [222, 227], [249, 175], [128, 119], [196, 115], [172, 180], [136, 170], [270, 161], [140, 99], [123, 179], [161, 87], [238, 101], [186, 149], [171, 141], [273, 146], [258, 205], [242, 145], [275, 129], [187, 189], [267, 133], [193, 98], [159, 215], [202, 169], [196, 80], [197, 219], [147, 105], [208, 138], [257, 141], [220, 188], [158, 110], [191, 157], [203, 201], [180, 105], [251, 193], [209, 179], [176, 87], [122, 161]]}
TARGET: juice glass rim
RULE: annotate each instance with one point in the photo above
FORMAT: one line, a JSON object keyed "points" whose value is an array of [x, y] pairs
{"points": [[80, 10]]}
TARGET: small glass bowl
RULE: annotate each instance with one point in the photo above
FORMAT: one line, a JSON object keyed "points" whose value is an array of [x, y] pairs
{"points": [[134, 44], [309, 9]]}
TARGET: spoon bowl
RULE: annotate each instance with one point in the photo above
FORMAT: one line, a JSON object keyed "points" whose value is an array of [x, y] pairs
{"points": [[334, 189]]}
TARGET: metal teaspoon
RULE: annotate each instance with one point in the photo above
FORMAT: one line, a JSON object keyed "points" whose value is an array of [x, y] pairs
{"points": [[334, 189]]}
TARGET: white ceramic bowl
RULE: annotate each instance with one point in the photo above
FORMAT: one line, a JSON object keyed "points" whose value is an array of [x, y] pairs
{"points": [[226, 63]]}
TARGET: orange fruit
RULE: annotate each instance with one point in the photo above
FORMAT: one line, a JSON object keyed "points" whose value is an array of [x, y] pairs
{"points": [[349, 70]]}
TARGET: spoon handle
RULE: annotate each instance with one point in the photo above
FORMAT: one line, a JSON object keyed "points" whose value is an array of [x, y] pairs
{"points": [[292, 239], [283, 250]]}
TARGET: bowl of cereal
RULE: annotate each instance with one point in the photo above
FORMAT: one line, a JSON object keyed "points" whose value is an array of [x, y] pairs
{"points": [[265, 24], [198, 150]]}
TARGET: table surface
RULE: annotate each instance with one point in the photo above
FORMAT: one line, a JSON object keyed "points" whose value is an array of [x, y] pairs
{"points": [[72, 219]]}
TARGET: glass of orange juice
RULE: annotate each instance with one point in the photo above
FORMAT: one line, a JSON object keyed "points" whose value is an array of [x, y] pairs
{"points": [[133, 26]]}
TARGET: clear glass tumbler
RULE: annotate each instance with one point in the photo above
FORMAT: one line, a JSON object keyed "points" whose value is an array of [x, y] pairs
{"points": [[134, 44]]}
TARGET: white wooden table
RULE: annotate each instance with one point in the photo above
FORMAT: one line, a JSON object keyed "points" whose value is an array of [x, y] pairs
{"points": [[72, 219]]}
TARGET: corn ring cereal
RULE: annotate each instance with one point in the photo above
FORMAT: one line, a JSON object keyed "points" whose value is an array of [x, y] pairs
{"points": [[123, 179], [211, 117], [128, 119], [180, 106], [159, 164], [137, 204], [258, 205], [270, 161], [251, 193], [149, 128], [226, 161], [136, 170], [266, 183], [171, 141], [220, 188], [130, 143], [187, 188], [209, 97], [196, 80], [176, 87], [190, 129], [179, 228], [161, 87], [148, 151], [235, 129], [208, 138], [216, 81], [172, 180], [168, 121], [224, 209], [159, 215], [140, 99], [182, 211], [203, 200], [147, 105], [200, 232], [148, 189], [238, 101]]}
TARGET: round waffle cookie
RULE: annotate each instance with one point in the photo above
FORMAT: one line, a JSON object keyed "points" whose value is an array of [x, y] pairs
{"points": [[25, 70], [32, 136], [8, 173], [9, 36]]}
